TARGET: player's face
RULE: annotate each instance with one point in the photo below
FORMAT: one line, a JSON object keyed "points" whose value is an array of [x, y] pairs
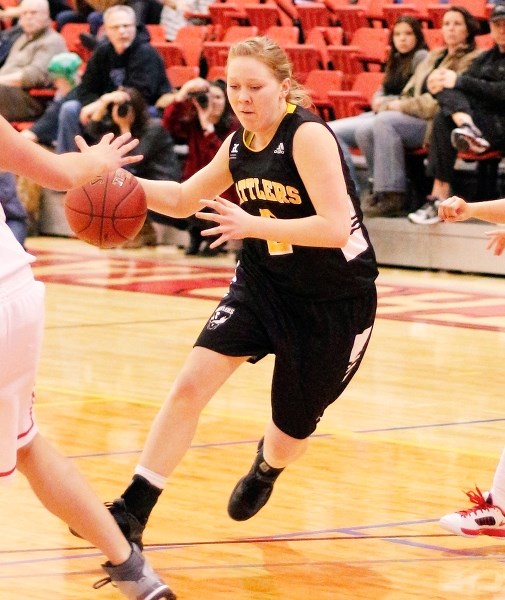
{"points": [[120, 29], [256, 96]]}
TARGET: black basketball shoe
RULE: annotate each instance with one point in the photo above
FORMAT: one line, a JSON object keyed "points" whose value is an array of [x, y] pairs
{"points": [[130, 526], [253, 491]]}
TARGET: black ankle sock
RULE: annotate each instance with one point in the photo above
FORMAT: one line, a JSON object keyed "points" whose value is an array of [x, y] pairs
{"points": [[140, 498], [262, 468]]}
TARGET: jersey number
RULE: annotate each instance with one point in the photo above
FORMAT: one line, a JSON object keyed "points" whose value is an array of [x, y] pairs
{"points": [[275, 247]]}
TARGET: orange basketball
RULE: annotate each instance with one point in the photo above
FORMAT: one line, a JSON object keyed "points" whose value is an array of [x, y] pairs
{"points": [[108, 211]]}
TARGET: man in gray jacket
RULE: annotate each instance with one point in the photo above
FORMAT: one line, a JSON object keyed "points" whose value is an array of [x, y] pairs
{"points": [[26, 64]]}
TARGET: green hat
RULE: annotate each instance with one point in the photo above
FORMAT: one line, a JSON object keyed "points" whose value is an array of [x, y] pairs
{"points": [[65, 65]]}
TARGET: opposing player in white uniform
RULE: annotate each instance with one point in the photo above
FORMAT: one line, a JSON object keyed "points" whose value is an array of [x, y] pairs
{"points": [[54, 479], [486, 516]]}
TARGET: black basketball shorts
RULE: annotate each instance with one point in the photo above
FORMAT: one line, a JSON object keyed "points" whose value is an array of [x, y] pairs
{"points": [[318, 347]]}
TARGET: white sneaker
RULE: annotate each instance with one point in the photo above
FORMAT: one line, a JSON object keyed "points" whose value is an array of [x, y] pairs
{"points": [[484, 518], [469, 138], [427, 214], [136, 579]]}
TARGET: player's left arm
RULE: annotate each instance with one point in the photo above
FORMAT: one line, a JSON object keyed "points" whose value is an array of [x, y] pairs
{"points": [[316, 156]]}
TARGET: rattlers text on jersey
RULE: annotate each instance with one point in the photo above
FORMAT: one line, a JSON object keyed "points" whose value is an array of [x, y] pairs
{"points": [[268, 185]]}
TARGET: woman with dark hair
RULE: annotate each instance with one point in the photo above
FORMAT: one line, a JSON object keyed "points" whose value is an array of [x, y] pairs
{"points": [[470, 117], [123, 111], [408, 49], [201, 117], [406, 122]]}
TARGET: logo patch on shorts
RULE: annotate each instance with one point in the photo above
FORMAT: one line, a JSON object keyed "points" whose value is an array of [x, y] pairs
{"points": [[220, 316]]}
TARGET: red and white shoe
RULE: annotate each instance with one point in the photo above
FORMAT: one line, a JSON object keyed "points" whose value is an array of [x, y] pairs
{"points": [[484, 518]]}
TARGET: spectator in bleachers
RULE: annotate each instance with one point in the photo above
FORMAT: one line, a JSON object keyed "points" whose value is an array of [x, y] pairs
{"points": [[146, 12], [179, 13], [408, 49], [471, 116], [83, 12], [26, 64], [126, 59], [64, 71], [405, 123], [201, 117], [55, 8], [123, 111]]}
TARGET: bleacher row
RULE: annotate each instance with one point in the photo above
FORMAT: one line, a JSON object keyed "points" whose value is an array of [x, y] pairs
{"points": [[338, 51]]}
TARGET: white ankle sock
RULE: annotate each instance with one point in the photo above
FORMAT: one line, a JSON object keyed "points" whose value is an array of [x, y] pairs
{"points": [[157, 480], [498, 489]]}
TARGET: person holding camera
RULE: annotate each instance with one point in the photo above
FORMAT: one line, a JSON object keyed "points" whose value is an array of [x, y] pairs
{"points": [[126, 111], [200, 116], [125, 59]]}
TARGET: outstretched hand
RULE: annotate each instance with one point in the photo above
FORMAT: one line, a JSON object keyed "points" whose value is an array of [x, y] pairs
{"points": [[231, 220], [111, 151], [496, 241], [453, 209]]}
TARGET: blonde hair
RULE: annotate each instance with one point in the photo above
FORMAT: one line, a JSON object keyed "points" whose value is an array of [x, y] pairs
{"points": [[271, 55]]}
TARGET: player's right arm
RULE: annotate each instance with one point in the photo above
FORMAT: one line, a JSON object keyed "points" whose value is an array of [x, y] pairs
{"points": [[181, 200]]}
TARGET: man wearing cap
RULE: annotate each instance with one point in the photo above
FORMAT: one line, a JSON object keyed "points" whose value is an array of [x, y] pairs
{"points": [[471, 104], [64, 71], [26, 64]]}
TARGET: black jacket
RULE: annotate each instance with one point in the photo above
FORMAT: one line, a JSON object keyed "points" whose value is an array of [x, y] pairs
{"points": [[140, 66], [155, 144]]}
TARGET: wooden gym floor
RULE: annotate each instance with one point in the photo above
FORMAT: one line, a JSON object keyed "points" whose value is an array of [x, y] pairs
{"points": [[356, 517]]}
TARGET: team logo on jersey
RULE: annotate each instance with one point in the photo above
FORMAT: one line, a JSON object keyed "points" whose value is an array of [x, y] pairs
{"points": [[220, 316], [279, 149], [234, 150]]}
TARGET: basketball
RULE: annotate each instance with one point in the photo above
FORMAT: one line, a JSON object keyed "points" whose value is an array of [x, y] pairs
{"points": [[108, 211]]}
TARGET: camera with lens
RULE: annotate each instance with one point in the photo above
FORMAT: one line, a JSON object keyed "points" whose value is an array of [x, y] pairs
{"points": [[201, 97], [122, 109]]}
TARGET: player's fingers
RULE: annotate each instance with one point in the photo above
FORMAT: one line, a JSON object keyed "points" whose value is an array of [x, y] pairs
{"points": [[80, 142], [125, 148], [206, 216], [212, 204], [121, 139], [128, 160]]}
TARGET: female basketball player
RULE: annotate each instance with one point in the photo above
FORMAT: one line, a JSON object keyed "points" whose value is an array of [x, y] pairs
{"points": [[54, 479], [487, 515], [303, 289]]}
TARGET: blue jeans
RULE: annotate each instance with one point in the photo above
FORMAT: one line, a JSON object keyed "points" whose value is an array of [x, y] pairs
{"points": [[68, 126], [345, 130], [384, 140]]}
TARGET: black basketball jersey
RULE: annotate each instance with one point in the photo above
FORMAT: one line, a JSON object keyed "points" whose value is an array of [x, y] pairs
{"points": [[268, 185]]}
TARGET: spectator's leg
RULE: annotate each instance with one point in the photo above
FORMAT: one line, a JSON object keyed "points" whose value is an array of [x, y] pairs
{"points": [[68, 126], [68, 16], [18, 105], [95, 21], [441, 154], [15, 213], [346, 153], [19, 229], [364, 136], [393, 132], [345, 130]]}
